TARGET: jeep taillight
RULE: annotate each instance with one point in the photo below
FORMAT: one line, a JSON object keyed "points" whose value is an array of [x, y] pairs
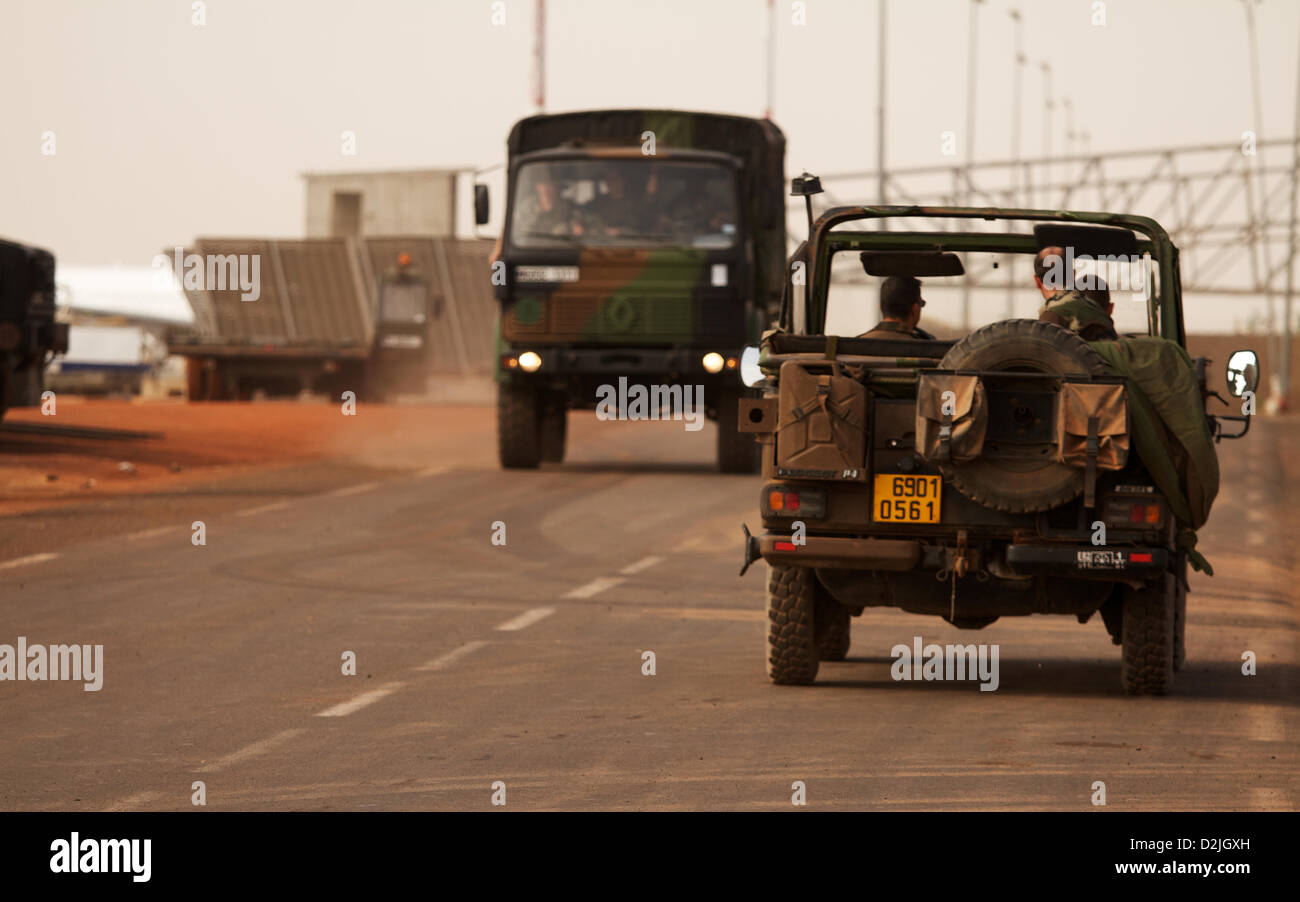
{"points": [[1134, 513], [787, 501]]}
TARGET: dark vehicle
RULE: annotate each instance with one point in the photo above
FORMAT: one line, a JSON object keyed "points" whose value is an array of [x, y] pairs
{"points": [[28, 332], [638, 244], [1019, 470], [330, 316]]}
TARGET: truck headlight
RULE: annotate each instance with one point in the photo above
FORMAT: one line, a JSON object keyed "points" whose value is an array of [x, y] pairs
{"points": [[530, 361], [713, 362]]}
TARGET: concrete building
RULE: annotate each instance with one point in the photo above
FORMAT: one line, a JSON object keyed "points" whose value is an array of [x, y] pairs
{"points": [[401, 202]]}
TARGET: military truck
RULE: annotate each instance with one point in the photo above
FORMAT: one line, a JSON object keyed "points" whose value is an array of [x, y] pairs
{"points": [[638, 245], [332, 315], [28, 331], [1019, 470]]}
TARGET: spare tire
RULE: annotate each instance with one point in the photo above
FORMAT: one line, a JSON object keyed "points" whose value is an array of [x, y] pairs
{"points": [[1021, 345]]}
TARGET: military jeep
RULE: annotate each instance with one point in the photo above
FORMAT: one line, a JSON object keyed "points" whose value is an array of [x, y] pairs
{"points": [[1017, 470]]}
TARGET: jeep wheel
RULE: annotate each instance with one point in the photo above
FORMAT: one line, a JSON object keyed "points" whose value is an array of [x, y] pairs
{"points": [[737, 451], [831, 622], [553, 421], [518, 436], [792, 657], [1147, 639], [1021, 345]]}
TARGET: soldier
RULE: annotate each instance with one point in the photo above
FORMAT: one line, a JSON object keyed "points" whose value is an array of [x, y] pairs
{"points": [[1066, 306], [900, 309], [546, 213]]}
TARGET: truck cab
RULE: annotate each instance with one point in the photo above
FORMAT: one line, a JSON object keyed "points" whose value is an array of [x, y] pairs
{"points": [[639, 247]]}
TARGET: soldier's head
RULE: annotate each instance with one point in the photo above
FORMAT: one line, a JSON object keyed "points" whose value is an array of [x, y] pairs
{"points": [[901, 301], [615, 182], [1049, 271]]}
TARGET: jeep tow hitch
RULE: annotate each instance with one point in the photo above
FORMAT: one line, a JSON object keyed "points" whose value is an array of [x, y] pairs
{"points": [[751, 549]]}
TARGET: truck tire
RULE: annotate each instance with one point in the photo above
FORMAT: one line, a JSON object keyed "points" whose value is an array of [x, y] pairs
{"points": [[737, 451], [1021, 345], [1180, 628], [792, 657], [518, 437], [553, 421], [831, 621], [1147, 639]]}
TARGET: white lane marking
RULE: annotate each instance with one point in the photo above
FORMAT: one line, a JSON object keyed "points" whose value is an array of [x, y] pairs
{"points": [[431, 471], [252, 750], [355, 489], [366, 698], [150, 533], [135, 801], [30, 559], [595, 587], [526, 619], [264, 509], [644, 564], [452, 656]]}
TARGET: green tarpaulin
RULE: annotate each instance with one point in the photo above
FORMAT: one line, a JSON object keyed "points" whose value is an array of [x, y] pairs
{"points": [[1170, 431]]}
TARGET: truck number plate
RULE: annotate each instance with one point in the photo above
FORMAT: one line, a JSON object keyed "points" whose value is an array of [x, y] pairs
{"points": [[906, 499]]}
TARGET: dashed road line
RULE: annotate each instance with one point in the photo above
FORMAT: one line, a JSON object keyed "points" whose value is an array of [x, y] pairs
{"points": [[431, 471], [366, 698], [150, 533], [264, 509], [526, 619], [252, 750], [30, 559], [644, 564], [453, 656], [595, 587], [354, 489]]}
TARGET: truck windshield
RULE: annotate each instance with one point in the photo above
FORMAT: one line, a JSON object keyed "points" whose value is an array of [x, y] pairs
{"points": [[403, 302], [624, 203]]}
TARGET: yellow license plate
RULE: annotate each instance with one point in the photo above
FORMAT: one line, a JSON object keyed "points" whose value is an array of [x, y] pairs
{"points": [[906, 499]]}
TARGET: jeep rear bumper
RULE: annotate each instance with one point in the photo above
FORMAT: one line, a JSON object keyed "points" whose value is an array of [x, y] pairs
{"points": [[1082, 561]]}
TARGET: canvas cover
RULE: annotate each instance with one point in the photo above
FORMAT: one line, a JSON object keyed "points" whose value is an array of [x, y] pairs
{"points": [[1079, 402], [821, 421], [957, 435], [1170, 431]]}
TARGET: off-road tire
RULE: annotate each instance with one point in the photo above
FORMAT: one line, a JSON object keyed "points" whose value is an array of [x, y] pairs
{"points": [[1147, 639], [553, 421], [831, 622], [1034, 346], [792, 657], [1180, 629], [519, 443], [737, 451]]}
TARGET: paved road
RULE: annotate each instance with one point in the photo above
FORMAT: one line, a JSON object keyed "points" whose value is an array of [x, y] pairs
{"points": [[522, 663]]}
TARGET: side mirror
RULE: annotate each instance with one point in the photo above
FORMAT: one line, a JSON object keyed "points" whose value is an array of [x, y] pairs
{"points": [[481, 205], [750, 374], [1242, 373]]}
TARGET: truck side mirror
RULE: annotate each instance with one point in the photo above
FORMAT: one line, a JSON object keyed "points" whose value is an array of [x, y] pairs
{"points": [[481, 205], [1242, 373]]}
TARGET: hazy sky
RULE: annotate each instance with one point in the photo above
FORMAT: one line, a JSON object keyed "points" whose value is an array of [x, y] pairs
{"points": [[165, 130]]}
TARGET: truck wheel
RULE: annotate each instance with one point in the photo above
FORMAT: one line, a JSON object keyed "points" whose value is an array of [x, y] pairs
{"points": [[1147, 639], [792, 657], [830, 625], [518, 436], [553, 421], [737, 451], [1021, 345]]}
